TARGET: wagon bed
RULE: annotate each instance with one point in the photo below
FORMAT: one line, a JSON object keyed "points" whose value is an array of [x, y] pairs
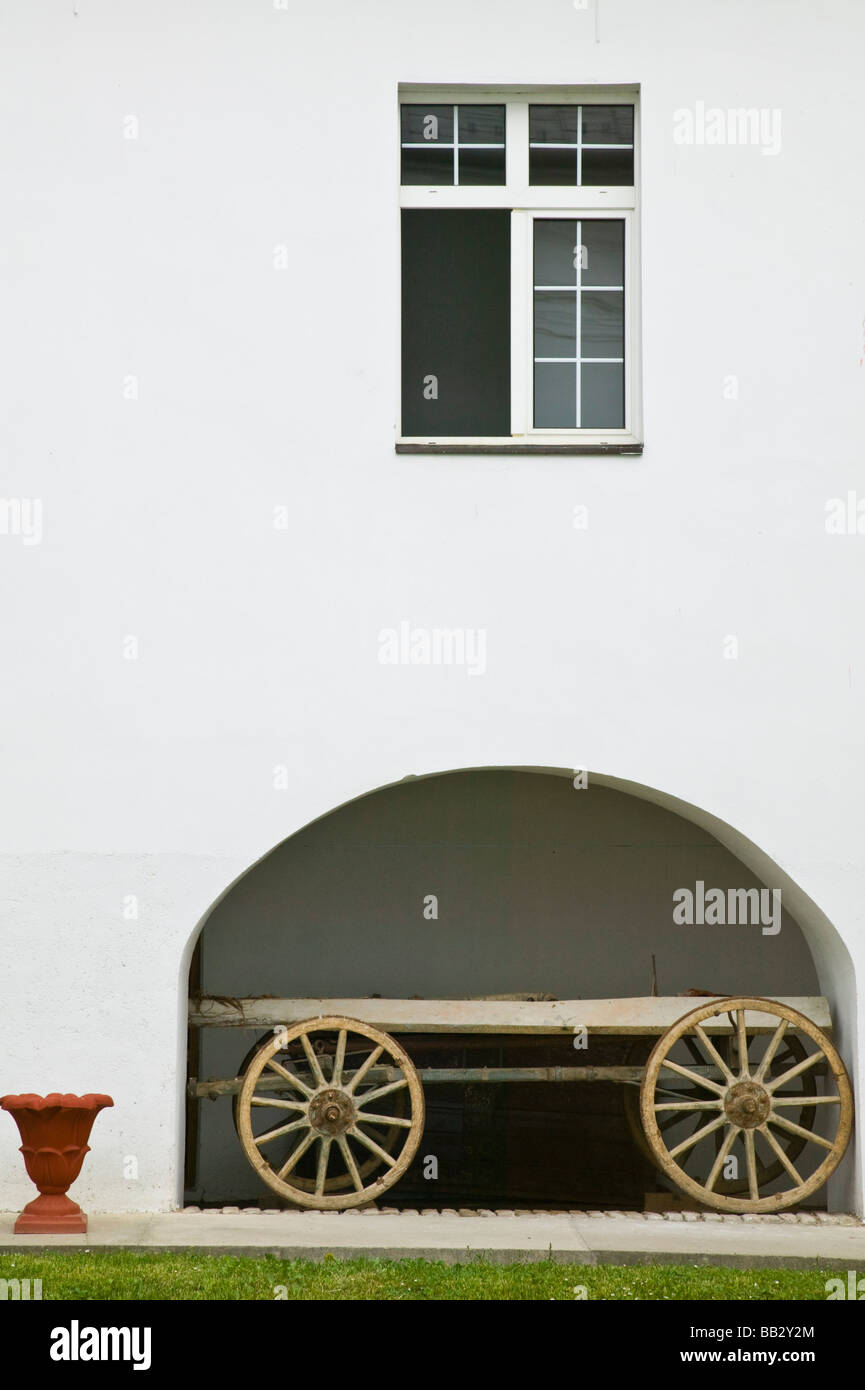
{"points": [[723, 1072]]}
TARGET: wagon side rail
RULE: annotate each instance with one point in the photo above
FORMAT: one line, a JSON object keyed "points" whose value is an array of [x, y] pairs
{"points": [[646, 1016]]}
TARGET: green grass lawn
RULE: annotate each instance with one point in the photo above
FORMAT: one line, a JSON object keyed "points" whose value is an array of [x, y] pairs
{"points": [[121, 1274]]}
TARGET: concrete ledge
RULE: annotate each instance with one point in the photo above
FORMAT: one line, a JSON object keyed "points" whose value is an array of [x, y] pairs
{"points": [[579, 1238]]}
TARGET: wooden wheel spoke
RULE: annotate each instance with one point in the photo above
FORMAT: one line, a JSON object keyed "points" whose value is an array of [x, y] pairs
{"points": [[265, 1138], [693, 1077], [289, 1076], [780, 1154], [372, 1146], [720, 1159], [350, 1164], [714, 1053], [688, 1105], [312, 1058], [367, 1096], [805, 1102], [674, 1091], [298, 1153], [698, 1135], [795, 1071], [742, 1039], [278, 1104], [321, 1169], [792, 1128], [363, 1069], [370, 1118], [751, 1162], [771, 1049], [339, 1058]]}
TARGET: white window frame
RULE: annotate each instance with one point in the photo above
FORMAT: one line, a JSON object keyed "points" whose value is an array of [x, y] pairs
{"points": [[526, 203]]}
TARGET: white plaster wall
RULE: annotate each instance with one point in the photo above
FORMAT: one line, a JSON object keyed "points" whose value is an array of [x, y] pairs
{"points": [[154, 258]]}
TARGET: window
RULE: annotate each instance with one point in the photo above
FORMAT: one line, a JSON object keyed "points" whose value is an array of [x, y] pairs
{"points": [[453, 144], [576, 145], [520, 293]]}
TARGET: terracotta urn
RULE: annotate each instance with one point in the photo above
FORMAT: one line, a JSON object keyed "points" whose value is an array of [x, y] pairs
{"points": [[55, 1130]]}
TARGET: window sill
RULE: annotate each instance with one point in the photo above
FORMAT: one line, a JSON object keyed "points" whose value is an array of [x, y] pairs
{"points": [[508, 448]]}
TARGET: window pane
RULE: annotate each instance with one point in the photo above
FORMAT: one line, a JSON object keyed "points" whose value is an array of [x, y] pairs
{"points": [[608, 125], [598, 246], [432, 166], [456, 272], [548, 166], [480, 166], [553, 124], [602, 326], [610, 167], [481, 125], [604, 252], [555, 251], [431, 124], [555, 396], [556, 324], [602, 395], [566, 127]]}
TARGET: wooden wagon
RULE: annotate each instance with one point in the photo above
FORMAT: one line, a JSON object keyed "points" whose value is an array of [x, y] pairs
{"points": [[743, 1103]]}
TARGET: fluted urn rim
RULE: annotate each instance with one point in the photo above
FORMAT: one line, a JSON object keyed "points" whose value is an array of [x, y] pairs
{"points": [[56, 1101]]}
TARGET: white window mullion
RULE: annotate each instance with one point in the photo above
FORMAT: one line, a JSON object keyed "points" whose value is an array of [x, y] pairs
{"points": [[522, 345], [456, 147], [578, 297], [517, 148], [633, 348], [579, 146]]}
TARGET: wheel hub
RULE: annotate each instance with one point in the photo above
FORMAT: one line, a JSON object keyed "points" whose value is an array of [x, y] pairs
{"points": [[332, 1112], [747, 1104]]}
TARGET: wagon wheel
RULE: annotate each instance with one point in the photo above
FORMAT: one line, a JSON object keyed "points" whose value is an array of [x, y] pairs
{"points": [[679, 1125], [387, 1137], [330, 1117], [747, 1100]]}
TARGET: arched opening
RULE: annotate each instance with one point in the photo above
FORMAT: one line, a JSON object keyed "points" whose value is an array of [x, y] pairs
{"points": [[498, 882]]}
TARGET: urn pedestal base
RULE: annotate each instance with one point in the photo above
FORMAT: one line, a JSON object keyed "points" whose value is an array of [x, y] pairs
{"points": [[51, 1216]]}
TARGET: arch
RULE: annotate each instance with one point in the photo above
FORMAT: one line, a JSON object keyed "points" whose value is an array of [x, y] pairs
{"points": [[832, 960]]}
